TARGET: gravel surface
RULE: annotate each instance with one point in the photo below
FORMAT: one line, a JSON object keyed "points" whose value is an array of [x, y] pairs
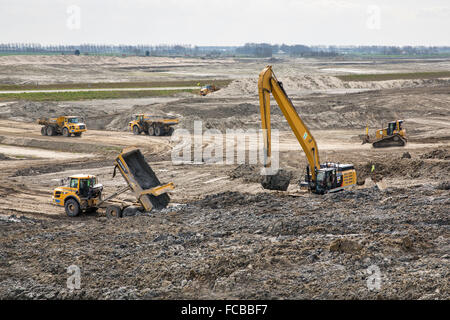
{"points": [[237, 245]]}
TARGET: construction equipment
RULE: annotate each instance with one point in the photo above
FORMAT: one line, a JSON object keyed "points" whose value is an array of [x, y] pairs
{"points": [[392, 136], [208, 89], [319, 178], [63, 125], [84, 194], [152, 125]]}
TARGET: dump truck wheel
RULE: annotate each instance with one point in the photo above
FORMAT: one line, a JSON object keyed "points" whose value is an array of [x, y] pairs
{"points": [[158, 131], [66, 132], [72, 208], [113, 211], [44, 131], [136, 130], [130, 211], [77, 134], [151, 131], [50, 131]]}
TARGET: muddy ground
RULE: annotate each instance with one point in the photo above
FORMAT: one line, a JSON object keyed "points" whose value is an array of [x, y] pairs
{"points": [[223, 235]]}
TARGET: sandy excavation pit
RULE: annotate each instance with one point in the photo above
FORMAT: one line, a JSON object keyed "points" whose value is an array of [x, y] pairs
{"points": [[223, 235]]}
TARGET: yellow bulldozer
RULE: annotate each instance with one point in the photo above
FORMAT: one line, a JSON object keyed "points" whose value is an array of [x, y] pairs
{"points": [[392, 136]]}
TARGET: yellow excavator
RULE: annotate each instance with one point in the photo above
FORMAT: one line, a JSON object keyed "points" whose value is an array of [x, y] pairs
{"points": [[320, 178]]}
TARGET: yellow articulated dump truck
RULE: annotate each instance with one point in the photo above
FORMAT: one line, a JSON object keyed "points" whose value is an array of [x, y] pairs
{"points": [[152, 125], [83, 193], [64, 125]]}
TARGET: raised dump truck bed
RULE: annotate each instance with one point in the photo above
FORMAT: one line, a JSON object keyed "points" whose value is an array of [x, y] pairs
{"points": [[142, 180]]}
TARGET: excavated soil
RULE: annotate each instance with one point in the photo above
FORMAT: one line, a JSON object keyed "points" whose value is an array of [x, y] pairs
{"points": [[242, 246]]}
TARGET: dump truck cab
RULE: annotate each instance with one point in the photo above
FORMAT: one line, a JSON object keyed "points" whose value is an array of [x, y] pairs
{"points": [[81, 193], [152, 125]]}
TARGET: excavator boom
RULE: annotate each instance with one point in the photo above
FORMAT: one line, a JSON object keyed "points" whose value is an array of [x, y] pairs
{"points": [[267, 84], [320, 178]]}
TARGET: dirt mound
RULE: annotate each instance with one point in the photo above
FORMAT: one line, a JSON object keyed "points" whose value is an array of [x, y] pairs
{"points": [[442, 154], [401, 167], [95, 118], [345, 245], [246, 172], [443, 185], [3, 157], [312, 82], [223, 200]]}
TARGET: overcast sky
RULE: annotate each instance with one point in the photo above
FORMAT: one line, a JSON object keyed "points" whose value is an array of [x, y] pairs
{"points": [[226, 22]]}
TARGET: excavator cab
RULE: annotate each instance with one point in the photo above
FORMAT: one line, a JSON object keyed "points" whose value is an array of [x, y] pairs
{"points": [[391, 127], [325, 180]]}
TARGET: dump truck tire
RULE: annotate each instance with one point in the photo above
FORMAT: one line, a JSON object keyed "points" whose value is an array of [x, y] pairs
{"points": [[65, 132], [77, 134], [72, 207], [130, 211], [136, 130], [151, 131], [158, 131], [113, 211], [170, 131], [51, 131], [44, 131]]}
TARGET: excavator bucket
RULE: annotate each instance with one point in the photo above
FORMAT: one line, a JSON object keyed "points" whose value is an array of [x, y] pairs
{"points": [[278, 181]]}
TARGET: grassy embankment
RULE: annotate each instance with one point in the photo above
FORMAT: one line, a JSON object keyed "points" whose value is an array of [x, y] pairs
{"points": [[110, 94]]}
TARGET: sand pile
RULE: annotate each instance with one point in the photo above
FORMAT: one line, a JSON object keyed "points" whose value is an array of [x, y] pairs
{"points": [[442, 154], [293, 84], [398, 167], [94, 60], [29, 110], [26, 111]]}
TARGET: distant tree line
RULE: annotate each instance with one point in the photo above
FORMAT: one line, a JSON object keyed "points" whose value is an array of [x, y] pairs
{"points": [[262, 50]]}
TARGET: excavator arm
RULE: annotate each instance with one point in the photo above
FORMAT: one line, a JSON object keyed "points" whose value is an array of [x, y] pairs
{"points": [[267, 84]]}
